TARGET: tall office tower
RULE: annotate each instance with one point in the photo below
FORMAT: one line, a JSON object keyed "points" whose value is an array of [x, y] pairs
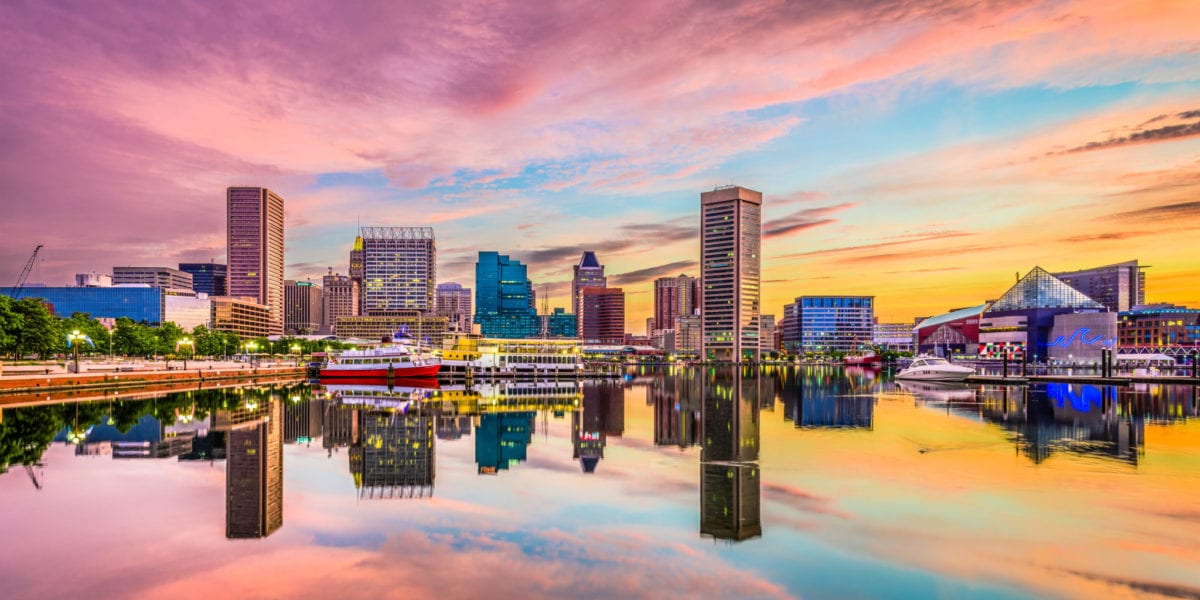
{"points": [[588, 273], [303, 304], [254, 247], [502, 307], [674, 297], [356, 272], [454, 303], [158, 277], [399, 269], [207, 278], [254, 472], [396, 456], [341, 299], [501, 440], [1118, 287], [730, 262], [602, 315], [601, 414]]}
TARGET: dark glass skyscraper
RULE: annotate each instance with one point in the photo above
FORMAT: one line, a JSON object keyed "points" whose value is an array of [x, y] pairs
{"points": [[207, 278], [502, 298]]}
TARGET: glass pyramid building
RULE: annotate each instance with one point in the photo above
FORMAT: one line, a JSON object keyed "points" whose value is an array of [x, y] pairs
{"points": [[1039, 289]]}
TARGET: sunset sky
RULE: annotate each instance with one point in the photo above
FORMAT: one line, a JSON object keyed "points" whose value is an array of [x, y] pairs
{"points": [[922, 152]]}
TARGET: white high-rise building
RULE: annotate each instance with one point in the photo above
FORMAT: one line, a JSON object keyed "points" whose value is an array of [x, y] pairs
{"points": [[399, 270], [730, 272]]}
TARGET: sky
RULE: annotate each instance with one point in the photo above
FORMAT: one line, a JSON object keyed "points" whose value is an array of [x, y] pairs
{"points": [[920, 152]]}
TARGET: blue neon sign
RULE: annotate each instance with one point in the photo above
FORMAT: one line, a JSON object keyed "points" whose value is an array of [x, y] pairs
{"points": [[1081, 334]]}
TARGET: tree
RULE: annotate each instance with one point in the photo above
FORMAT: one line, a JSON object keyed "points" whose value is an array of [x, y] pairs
{"points": [[85, 324], [39, 332], [133, 339], [165, 338], [10, 323], [26, 433]]}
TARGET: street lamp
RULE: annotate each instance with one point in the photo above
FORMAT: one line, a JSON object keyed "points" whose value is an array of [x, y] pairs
{"points": [[296, 349], [191, 347], [250, 348], [74, 338]]}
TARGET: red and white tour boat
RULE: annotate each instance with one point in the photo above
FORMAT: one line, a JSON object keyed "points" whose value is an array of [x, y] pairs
{"points": [[397, 361]]}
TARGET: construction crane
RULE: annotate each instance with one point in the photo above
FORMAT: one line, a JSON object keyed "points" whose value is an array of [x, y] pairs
{"points": [[16, 294]]}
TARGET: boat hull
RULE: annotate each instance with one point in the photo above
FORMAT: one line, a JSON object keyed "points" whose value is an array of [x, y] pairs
{"points": [[336, 372], [932, 375]]}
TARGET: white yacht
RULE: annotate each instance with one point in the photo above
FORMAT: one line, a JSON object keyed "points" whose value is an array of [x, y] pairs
{"points": [[932, 368]]}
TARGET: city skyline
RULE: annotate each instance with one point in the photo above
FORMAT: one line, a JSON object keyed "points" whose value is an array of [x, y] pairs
{"points": [[921, 155]]}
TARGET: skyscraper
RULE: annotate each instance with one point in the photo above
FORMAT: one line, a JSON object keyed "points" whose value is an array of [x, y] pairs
{"points": [[588, 273], [602, 315], [674, 297], [730, 261], [207, 278], [254, 238], [502, 291], [399, 269], [303, 306], [356, 272], [454, 303], [341, 299]]}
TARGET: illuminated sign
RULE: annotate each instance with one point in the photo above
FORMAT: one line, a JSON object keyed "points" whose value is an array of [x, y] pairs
{"points": [[1081, 335]]}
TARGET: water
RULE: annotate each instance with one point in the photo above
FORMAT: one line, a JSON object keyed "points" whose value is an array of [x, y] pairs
{"points": [[813, 482]]}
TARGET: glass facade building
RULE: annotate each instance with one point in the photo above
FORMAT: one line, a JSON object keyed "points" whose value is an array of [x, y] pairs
{"points": [[560, 324], [207, 278], [502, 298], [1019, 323], [588, 273], [399, 269], [835, 323], [141, 304], [730, 279], [1118, 287]]}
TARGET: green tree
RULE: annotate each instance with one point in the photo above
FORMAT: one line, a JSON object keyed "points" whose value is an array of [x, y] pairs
{"points": [[39, 332], [133, 339], [85, 324], [10, 323], [165, 338], [26, 433]]}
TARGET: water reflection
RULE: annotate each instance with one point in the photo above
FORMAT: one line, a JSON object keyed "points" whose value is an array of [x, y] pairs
{"points": [[819, 473], [730, 491], [830, 398]]}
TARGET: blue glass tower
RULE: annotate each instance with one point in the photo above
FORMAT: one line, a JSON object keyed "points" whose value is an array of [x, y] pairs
{"points": [[503, 308]]}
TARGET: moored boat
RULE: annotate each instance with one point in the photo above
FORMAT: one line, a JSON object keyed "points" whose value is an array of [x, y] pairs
{"points": [[932, 368], [397, 361]]}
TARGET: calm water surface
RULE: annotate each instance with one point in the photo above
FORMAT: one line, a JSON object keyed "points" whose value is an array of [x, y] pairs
{"points": [[812, 482]]}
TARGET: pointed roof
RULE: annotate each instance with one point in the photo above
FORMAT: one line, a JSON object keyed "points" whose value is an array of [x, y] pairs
{"points": [[1040, 289], [589, 261], [358, 243]]}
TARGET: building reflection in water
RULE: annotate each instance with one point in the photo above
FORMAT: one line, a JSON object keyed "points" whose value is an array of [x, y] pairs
{"points": [[828, 398], [1101, 421], [601, 414], [253, 465], [730, 490], [394, 456], [677, 404], [501, 440]]}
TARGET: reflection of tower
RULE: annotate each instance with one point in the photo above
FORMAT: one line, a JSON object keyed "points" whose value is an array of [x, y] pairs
{"points": [[303, 420], [601, 414], [340, 427], [676, 411], [395, 456], [453, 427], [729, 475], [253, 470], [730, 418], [729, 501], [501, 440]]}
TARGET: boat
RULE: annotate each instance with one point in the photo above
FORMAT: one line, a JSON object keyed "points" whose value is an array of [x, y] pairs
{"points": [[396, 360], [869, 359], [932, 368]]}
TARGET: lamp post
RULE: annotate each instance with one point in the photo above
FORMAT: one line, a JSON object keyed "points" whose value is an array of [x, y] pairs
{"points": [[296, 349], [75, 337], [250, 348], [191, 347]]}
